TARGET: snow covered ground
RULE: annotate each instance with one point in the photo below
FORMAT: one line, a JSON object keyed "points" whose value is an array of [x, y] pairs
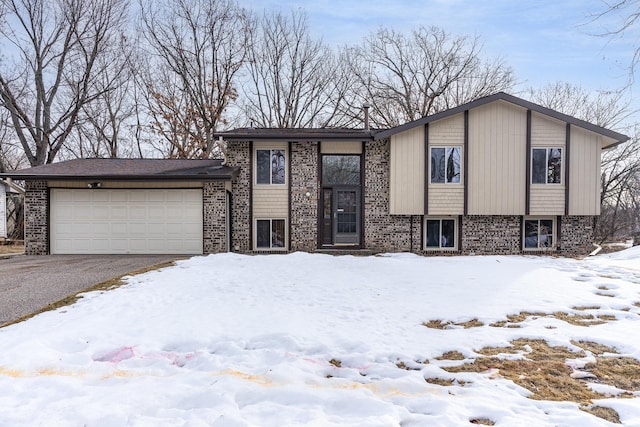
{"points": [[314, 340]]}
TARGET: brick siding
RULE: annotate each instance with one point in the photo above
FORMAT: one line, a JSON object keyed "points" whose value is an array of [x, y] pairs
{"points": [[214, 218], [576, 235], [239, 154], [36, 218], [491, 234], [304, 210]]}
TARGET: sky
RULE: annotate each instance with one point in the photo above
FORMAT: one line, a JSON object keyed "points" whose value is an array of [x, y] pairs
{"points": [[543, 40]]}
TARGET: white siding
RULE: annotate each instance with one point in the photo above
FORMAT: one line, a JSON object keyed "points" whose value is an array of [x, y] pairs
{"points": [[584, 180], [407, 173], [546, 132], [446, 200], [341, 147], [497, 160], [547, 200]]}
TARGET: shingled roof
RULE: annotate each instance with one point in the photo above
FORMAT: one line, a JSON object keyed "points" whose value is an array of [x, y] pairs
{"points": [[296, 134], [129, 169]]}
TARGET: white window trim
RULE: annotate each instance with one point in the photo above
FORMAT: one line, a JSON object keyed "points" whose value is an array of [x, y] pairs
{"points": [[445, 146], [255, 167], [270, 248], [554, 233], [456, 230], [562, 165]]}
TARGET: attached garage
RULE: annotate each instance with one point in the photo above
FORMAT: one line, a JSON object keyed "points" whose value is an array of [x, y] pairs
{"points": [[128, 206], [138, 221]]}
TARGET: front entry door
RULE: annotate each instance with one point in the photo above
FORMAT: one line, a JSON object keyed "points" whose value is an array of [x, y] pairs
{"points": [[346, 217]]}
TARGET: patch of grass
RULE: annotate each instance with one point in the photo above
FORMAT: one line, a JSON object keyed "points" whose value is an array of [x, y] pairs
{"points": [[604, 288], [436, 324], [473, 323], [605, 294], [440, 381], [451, 355], [607, 414], [587, 307], [513, 320], [607, 317], [104, 286], [335, 362], [482, 421], [544, 374], [620, 372], [636, 304], [594, 347], [8, 249], [578, 319], [439, 324]]}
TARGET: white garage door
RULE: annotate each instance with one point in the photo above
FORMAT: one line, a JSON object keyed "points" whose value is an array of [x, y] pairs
{"points": [[103, 221]]}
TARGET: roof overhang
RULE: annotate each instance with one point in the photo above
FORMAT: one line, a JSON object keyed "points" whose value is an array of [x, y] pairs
{"points": [[615, 137], [128, 170], [276, 134]]}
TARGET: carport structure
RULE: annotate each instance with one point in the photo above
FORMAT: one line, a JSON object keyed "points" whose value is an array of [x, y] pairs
{"points": [[127, 206]]}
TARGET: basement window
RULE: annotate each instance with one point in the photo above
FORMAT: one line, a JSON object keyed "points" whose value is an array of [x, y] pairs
{"points": [[539, 234], [270, 234], [440, 233]]}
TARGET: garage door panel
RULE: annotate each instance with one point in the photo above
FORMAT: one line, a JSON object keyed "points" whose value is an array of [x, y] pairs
{"points": [[105, 221]]}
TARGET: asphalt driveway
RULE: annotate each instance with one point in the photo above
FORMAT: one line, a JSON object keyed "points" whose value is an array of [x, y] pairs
{"points": [[29, 283]]}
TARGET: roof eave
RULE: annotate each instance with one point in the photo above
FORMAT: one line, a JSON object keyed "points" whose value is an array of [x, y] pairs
{"points": [[66, 177], [238, 137], [513, 100]]}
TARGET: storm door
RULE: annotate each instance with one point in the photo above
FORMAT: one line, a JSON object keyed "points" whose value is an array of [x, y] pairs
{"points": [[341, 204]]}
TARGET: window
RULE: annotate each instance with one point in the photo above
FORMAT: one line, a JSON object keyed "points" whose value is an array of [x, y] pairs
{"points": [[445, 165], [539, 233], [270, 166], [440, 233], [270, 234], [341, 170], [546, 166]]}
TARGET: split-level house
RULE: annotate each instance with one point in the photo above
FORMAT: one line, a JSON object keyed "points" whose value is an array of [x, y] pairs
{"points": [[499, 175]]}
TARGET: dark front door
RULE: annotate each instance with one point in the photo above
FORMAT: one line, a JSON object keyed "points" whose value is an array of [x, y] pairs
{"points": [[346, 215]]}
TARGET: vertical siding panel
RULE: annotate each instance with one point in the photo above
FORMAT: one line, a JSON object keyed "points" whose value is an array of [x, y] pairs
{"points": [[407, 173]]}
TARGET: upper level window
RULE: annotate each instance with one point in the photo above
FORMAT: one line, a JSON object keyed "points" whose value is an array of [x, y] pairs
{"points": [[445, 165], [546, 166], [270, 166]]}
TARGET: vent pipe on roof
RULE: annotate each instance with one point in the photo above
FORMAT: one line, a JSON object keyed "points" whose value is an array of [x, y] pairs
{"points": [[366, 116]]}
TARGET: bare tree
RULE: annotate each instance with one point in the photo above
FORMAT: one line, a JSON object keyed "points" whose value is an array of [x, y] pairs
{"points": [[406, 77], [198, 47], [106, 126], [53, 75], [618, 19], [294, 80]]}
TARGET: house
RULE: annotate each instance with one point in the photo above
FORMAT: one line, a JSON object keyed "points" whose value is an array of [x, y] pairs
{"points": [[498, 175]]}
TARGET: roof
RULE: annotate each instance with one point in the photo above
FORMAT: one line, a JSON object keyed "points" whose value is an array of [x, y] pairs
{"points": [[296, 134], [129, 169], [618, 137]]}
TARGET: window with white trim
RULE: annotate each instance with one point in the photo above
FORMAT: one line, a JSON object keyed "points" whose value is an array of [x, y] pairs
{"points": [[270, 166], [270, 234], [440, 233], [539, 233], [445, 165], [546, 165]]}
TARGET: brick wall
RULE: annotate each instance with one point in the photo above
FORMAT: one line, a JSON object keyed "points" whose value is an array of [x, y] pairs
{"points": [[384, 232], [304, 210], [491, 234], [576, 235], [214, 219], [36, 218], [239, 154]]}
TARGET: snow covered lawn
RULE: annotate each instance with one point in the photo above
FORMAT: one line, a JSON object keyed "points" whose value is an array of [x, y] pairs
{"points": [[302, 339]]}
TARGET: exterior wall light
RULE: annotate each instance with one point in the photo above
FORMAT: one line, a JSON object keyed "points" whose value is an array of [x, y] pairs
{"points": [[94, 185]]}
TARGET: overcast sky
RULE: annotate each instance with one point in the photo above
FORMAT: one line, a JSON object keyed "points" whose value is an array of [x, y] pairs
{"points": [[543, 40]]}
